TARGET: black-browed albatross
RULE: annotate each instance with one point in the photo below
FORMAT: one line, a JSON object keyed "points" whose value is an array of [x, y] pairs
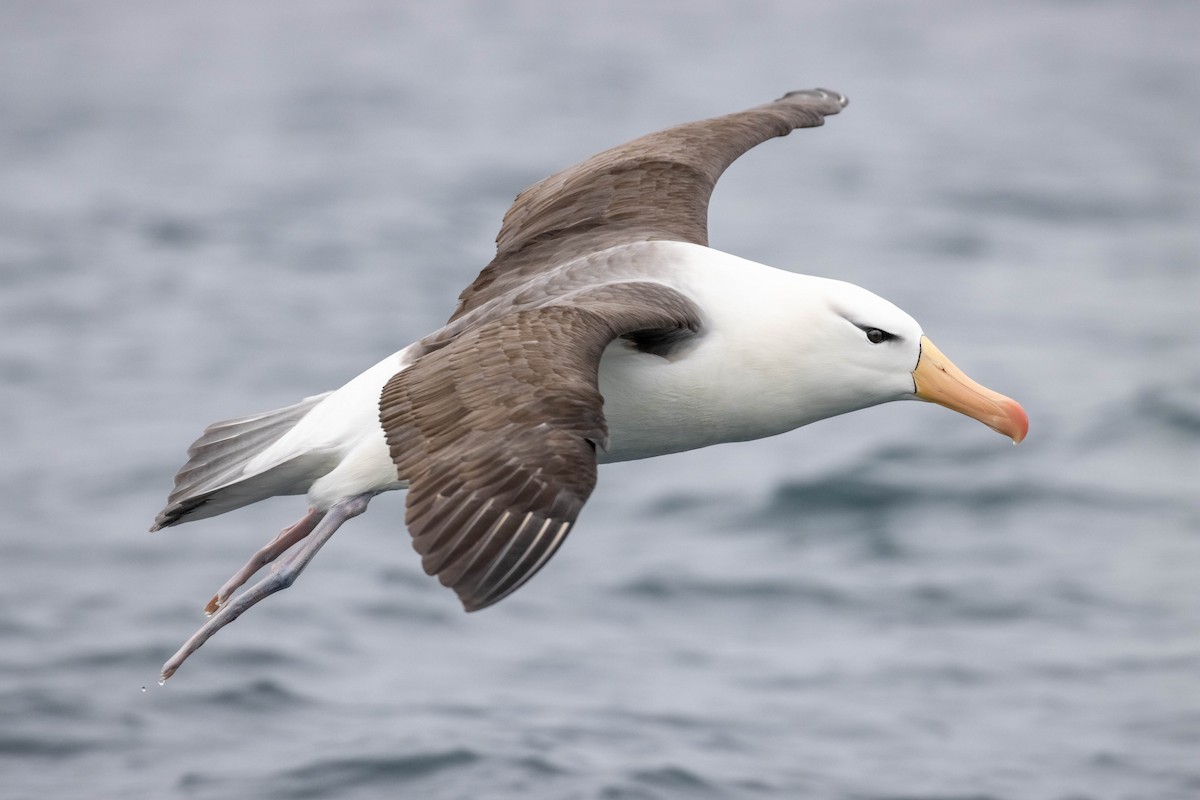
{"points": [[605, 329]]}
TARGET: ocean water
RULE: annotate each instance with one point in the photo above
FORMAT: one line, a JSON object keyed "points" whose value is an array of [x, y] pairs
{"points": [[213, 209]]}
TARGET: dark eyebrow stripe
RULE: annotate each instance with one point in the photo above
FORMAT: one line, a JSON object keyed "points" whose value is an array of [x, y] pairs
{"points": [[864, 328]]}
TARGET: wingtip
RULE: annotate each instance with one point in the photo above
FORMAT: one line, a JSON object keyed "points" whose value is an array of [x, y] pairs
{"points": [[836, 101]]}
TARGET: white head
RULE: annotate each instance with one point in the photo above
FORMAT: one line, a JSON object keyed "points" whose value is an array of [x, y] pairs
{"points": [[778, 350], [877, 353], [875, 344], [816, 348]]}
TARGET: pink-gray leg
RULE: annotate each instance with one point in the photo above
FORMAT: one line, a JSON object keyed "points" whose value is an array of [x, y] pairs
{"points": [[283, 573], [273, 550]]}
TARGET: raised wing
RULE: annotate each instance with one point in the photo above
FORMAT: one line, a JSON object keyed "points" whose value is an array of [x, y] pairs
{"points": [[496, 432], [654, 187]]}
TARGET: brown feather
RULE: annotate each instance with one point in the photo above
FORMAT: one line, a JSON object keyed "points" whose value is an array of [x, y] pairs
{"points": [[656, 187], [496, 432]]}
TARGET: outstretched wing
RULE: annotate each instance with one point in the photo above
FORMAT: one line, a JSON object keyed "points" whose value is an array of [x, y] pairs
{"points": [[496, 432], [654, 187]]}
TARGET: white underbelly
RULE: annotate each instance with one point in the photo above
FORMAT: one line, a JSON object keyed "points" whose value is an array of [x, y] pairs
{"points": [[367, 467], [654, 406]]}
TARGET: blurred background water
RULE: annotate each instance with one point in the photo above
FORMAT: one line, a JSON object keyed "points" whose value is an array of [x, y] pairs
{"points": [[210, 209]]}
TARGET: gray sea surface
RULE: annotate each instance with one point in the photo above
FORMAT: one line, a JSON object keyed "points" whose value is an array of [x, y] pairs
{"points": [[211, 209]]}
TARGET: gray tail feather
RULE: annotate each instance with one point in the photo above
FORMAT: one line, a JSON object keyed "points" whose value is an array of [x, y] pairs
{"points": [[213, 480]]}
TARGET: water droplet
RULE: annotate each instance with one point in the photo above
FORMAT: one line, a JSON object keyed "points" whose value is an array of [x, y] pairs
{"points": [[162, 681], [143, 688]]}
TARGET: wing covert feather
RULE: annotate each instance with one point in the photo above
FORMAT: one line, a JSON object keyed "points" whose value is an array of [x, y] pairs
{"points": [[496, 432], [654, 187]]}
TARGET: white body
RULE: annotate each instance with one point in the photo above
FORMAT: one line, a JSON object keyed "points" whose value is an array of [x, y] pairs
{"points": [[777, 351]]}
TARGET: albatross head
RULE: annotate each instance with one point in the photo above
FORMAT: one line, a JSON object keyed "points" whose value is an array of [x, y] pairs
{"points": [[886, 356]]}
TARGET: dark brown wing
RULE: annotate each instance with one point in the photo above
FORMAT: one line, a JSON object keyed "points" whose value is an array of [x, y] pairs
{"points": [[496, 432], [654, 187]]}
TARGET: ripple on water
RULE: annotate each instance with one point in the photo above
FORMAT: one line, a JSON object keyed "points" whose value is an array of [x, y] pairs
{"points": [[674, 779], [690, 587], [654, 784], [928, 797], [257, 696], [113, 658], [897, 480], [854, 493], [1077, 208], [334, 777], [42, 747], [1176, 408]]}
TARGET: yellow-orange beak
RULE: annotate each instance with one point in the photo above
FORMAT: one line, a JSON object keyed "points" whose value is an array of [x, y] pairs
{"points": [[939, 381]]}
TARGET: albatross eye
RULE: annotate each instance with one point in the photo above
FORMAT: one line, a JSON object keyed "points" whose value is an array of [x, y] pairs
{"points": [[876, 336]]}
